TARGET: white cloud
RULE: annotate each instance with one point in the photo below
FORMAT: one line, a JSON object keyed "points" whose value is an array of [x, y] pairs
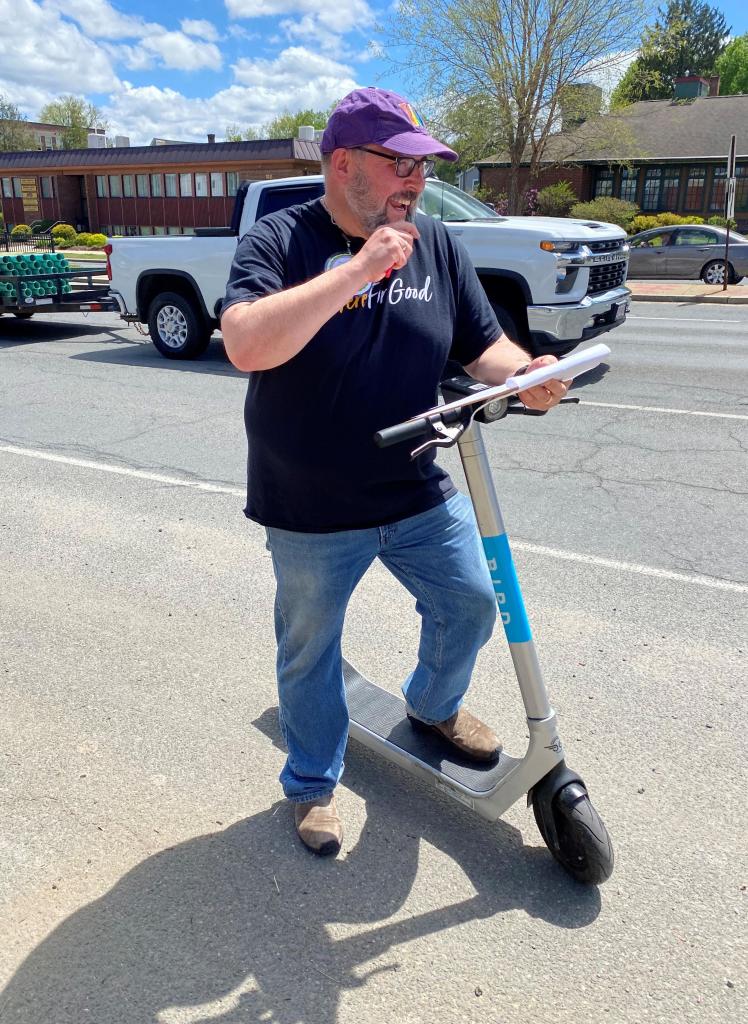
{"points": [[156, 44], [294, 69], [310, 30], [98, 18], [330, 14], [177, 50], [199, 27], [49, 53], [264, 89]]}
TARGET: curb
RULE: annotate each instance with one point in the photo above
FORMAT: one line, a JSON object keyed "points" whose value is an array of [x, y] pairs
{"points": [[733, 300]]}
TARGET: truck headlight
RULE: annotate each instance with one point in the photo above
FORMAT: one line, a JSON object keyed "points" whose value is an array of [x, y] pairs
{"points": [[547, 246]]}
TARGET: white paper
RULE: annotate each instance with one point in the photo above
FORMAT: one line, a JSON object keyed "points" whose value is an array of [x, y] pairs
{"points": [[565, 369]]}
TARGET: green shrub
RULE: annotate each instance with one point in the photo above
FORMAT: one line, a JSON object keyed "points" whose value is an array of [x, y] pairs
{"points": [[21, 231], [91, 240], [642, 223], [608, 210], [63, 231], [721, 222], [667, 220], [556, 200]]}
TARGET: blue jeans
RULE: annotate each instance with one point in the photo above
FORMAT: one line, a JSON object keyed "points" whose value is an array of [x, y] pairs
{"points": [[438, 556]]}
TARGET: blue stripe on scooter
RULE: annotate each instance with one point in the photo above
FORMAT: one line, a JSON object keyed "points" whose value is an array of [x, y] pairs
{"points": [[506, 585]]}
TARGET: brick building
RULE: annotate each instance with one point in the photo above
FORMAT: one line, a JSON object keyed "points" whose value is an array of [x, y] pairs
{"points": [[663, 155], [164, 189]]}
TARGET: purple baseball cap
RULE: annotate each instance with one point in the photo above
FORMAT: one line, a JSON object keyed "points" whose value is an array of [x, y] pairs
{"points": [[384, 118]]}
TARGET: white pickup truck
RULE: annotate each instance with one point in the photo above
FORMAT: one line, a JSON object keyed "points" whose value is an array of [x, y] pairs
{"points": [[553, 282]]}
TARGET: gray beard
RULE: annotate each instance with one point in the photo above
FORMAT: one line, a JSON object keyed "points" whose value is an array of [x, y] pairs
{"points": [[370, 215]]}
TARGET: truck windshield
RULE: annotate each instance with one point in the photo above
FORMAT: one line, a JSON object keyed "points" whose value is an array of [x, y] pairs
{"points": [[447, 203]]}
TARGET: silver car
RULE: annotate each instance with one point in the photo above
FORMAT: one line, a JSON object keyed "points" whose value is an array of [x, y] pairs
{"points": [[688, 251]]}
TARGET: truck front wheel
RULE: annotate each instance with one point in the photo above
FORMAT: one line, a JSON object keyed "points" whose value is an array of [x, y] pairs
{"points": [[177, 328]]}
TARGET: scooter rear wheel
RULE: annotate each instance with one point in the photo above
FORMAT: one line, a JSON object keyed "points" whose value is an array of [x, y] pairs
{"points": [[581, 843]]}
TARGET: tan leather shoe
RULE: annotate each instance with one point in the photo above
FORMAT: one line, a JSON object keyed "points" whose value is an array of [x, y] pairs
{"points": [[466, 732], [319, 826]]}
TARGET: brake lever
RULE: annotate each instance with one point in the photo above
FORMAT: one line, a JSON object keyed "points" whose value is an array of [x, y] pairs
{"points": [[519, 409], [447, 436]]}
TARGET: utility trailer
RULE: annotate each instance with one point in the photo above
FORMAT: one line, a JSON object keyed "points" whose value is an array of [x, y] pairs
{"points": [[44, 283]]}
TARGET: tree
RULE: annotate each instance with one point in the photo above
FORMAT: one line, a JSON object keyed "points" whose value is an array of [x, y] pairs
{"points": [[77, 117], [732, 67], [286, 125], [14, 135], [521, 54], [688, 37], [473, 128]]}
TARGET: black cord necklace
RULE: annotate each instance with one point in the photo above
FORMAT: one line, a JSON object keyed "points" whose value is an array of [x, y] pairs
{"points": [[346, 238]]}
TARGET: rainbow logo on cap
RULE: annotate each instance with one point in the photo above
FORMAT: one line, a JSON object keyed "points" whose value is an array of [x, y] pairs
{"points": [[413, 116]]}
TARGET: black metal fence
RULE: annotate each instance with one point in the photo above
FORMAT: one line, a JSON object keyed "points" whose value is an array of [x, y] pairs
{"points": [[43, 242]]}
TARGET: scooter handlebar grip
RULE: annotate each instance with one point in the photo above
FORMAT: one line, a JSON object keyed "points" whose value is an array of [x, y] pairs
{"points": [[401, 432]]}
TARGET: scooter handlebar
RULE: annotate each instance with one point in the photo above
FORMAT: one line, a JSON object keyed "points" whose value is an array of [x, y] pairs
{"points": [[402, 432]]}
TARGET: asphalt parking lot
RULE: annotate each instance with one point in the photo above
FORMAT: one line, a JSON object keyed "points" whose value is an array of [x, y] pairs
{"points": [[148, 868]]}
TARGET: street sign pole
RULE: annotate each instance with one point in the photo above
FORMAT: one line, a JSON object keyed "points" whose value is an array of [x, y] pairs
{"points": [[729, 207]]}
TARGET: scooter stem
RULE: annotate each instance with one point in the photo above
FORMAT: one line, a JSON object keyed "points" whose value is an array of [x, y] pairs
{"points": [[503, 575]]}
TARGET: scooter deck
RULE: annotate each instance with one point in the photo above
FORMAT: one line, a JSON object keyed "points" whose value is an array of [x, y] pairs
{"points": [[384, 715]]}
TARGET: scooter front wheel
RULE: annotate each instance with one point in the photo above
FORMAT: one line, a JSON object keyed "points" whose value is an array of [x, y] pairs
{"points": [[574, 833]]}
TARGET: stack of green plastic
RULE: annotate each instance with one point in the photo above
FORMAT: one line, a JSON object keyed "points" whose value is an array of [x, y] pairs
{"points": [[32, 265]]}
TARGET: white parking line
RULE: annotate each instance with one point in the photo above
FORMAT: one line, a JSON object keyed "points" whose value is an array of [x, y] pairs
{"points": [[657, 408], [518, 545], [642, 570]]}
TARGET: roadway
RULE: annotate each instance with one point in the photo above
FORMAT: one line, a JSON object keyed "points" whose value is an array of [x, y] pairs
{"points": [[148, 871]]}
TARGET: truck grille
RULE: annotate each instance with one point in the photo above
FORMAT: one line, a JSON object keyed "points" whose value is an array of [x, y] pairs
{"points": [[606, 275], [611, 245]]}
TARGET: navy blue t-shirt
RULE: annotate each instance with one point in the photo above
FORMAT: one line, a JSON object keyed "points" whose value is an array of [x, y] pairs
{"points": [[313, 465]]}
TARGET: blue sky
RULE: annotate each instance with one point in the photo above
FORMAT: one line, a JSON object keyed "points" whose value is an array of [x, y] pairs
{"points": [[182, 68]]}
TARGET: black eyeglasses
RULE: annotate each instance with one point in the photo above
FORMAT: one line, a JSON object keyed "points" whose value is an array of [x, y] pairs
{"points": [[404, 165]]}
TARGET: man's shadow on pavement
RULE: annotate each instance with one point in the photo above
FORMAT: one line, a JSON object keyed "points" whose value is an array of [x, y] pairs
{"points": [[233, 927]]}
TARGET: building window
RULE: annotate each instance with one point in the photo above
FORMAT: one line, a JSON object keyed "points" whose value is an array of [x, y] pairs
{"points": [[629, 184], [101, 189], [188, 231], [174, 231], [159, 231], [127, 186], [146, 231], [695, 188], [47, 190], [42, 142], [156, 189], [115, 186], [8, 188], [17, 190], [216, 183], [719, 181], [201, 184], [670, 188], [232, 182], [652, 183], [741, 189], [185, 184], [170, 182], [118, 229], [141, 180], [603, 184]]}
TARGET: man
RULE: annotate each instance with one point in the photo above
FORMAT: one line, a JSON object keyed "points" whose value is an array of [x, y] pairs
{"points": [[345, 311]]}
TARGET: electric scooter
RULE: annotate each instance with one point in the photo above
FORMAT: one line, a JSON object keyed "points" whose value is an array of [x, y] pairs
{"points": [[568, 822]]}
